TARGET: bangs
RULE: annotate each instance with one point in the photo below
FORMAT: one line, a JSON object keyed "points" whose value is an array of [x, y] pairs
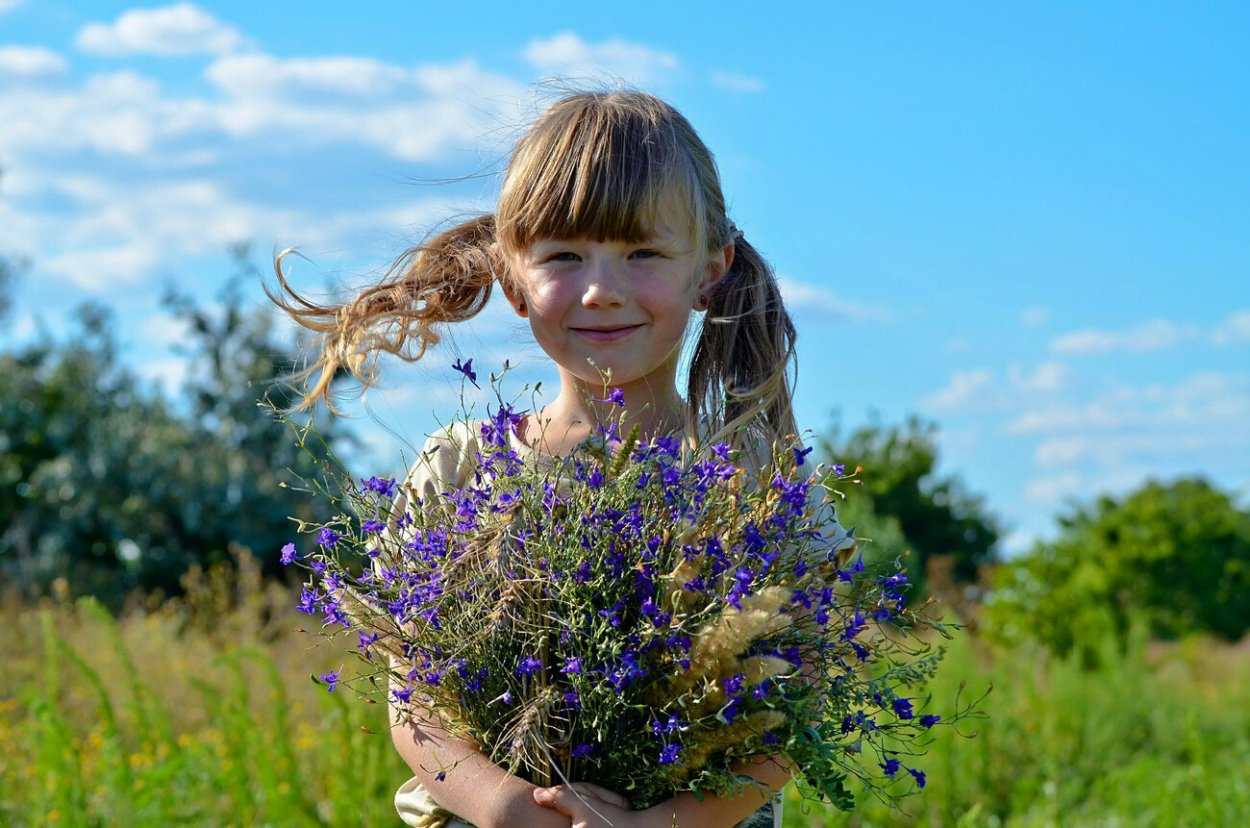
{"points": [[598, 171]]}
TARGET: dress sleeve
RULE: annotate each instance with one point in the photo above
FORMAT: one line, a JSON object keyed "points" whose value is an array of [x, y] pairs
{"points": [[834, 537], [446, 462]]}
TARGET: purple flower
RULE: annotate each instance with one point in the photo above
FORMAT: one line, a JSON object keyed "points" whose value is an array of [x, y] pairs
{"points": [[918, 775], [674, 724], [327, 537], [440, 776], [386, 488], [572, 666], [669, 754], [467, 370], [929, 720], [839, 469], [288, 554], [331, 680], [583, 749], [528, 666], [858, 625], [372, 526], [800, 455], [615, 396], [902, 709], [890, 766], [307, 601]]}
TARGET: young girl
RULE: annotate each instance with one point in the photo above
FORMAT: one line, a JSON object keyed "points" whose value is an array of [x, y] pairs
{"points": [[610, 232]]}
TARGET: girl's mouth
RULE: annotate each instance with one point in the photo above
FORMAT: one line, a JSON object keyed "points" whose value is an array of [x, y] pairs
{"points": [[606, 334]]}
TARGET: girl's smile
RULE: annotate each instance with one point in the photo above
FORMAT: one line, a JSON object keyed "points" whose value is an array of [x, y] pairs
{"points": [[609, 333]]}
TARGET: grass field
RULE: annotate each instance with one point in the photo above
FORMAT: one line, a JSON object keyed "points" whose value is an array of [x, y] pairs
{"points": [[201, 711]]}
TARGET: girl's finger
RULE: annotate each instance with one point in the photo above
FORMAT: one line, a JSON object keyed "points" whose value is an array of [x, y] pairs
{"points": [[608, 796]]}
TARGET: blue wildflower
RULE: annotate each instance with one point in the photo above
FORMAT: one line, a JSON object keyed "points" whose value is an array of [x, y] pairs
{"points": [[327, 537], [902, 709], [331, 680], [616, 396], [929, 720], [918, 775], [288, 554], [583, 749], [467, 370], [528, 666], [669, 754], [891, 766], [386, 488]]}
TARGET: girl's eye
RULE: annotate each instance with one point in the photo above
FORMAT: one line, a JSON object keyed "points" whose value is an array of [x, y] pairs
{"points": [[646, 254], [562, 256]]}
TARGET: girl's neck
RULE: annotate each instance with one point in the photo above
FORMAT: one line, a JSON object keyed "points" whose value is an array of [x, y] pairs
{"points": [[558, 428]]}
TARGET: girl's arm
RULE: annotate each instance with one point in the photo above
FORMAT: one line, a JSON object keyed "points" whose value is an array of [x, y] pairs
{"points": [[683, 810], [475, 789]]}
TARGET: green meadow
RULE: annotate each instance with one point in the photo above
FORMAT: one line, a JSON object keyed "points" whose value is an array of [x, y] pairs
{"points": [[201, 711]]}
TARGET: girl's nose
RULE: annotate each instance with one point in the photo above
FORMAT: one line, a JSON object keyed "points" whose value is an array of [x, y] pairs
{"points": [[603, 286]]}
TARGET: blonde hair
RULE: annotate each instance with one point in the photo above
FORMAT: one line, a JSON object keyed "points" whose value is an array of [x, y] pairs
{"points": [[601, 165]]}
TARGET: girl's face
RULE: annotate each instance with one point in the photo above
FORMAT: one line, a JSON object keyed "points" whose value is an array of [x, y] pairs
{"points": [[622, 305]]}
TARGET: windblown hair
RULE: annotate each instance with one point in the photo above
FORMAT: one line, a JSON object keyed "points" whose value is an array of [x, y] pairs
{"points": [[601, 165]]}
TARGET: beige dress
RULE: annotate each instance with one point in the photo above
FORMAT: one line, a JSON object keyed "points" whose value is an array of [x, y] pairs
{"points": [[447, 461]]}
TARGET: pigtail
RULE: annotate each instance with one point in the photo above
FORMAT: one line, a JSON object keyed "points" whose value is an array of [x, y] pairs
{"points": [[447, 279], [739, 383]]}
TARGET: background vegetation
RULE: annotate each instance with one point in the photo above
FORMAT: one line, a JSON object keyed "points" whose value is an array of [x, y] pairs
{"points": [[156, 672]]}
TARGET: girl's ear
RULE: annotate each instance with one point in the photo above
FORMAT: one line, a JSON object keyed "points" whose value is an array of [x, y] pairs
{"points": [[515, 297], [714, 272]]}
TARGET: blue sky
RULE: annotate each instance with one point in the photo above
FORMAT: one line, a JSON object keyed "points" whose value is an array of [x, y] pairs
{"points": [[1025, 221]]}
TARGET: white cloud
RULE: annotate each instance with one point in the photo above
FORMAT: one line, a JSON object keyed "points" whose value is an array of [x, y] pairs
{"points": [[805, 297], [1054, 488], [1233, 330], [181, 29], [30, 61], [103, 268], [1048, 377], [964, 388], [1155, 335], [169, 372], [1212, 402], [163, 330], [9, 5], [1035, 316], [259, 74], [734, 82], [567, 54]]}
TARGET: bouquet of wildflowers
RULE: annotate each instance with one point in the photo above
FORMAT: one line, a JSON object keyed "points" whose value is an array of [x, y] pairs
{"points": [[639, 615]]}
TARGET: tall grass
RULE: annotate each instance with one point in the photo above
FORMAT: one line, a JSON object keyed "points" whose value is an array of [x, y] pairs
{"points": [[161, 717], [200, 711]]}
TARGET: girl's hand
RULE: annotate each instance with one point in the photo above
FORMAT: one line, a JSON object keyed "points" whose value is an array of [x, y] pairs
{"points": [[589, 805]]}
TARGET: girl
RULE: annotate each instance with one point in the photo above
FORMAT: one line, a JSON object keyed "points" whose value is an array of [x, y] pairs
{"points": [[610, 231]]}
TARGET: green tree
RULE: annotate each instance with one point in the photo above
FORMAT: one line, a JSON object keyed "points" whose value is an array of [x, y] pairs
{"points": [[109, 484], [904, 504], [1175, 554]]}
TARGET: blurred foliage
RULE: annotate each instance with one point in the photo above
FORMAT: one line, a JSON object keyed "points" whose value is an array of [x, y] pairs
{"points": [[1176, 554], [902, 503], [109, 484]]}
